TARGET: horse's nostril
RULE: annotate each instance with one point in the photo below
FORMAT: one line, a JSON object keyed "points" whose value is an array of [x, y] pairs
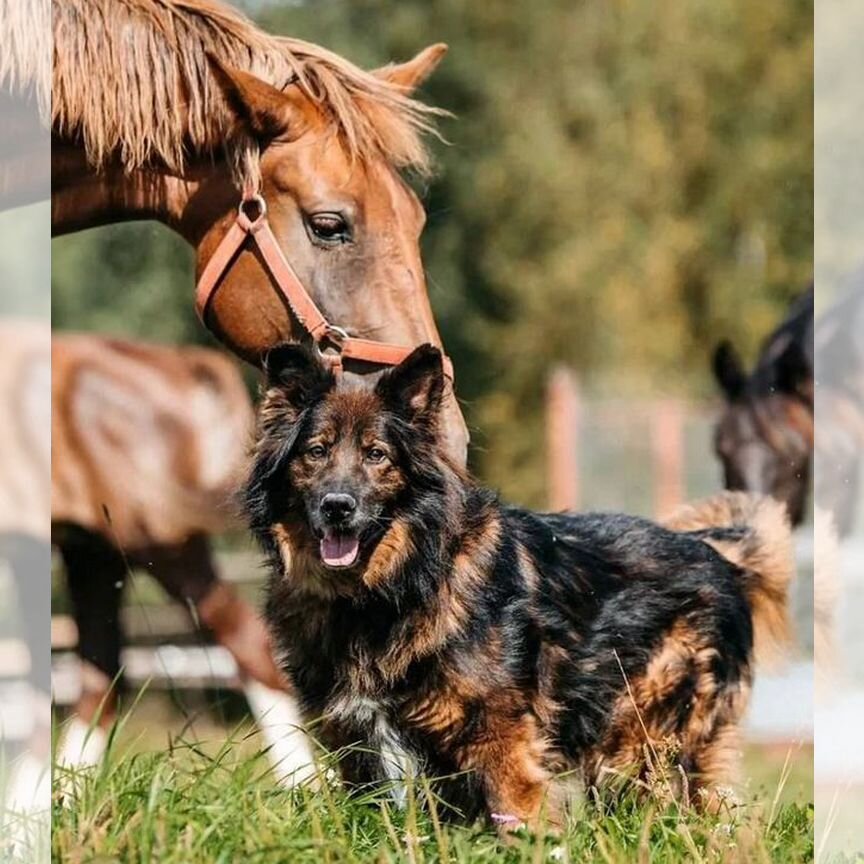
{"points": [[338, 506]]}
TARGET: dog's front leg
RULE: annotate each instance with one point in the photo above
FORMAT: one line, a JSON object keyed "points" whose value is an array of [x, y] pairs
{"points": [[358, 765], [508, 761]]}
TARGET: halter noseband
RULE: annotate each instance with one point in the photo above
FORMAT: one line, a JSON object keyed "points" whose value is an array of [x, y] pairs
{"points": [[339, 344]]}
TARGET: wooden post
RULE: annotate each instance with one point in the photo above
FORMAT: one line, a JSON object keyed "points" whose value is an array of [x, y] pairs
{"points": [[562, 440], [667, 444]]}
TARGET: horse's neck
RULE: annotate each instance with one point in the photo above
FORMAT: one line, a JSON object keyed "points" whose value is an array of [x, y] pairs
{"points": [[83, 198]]}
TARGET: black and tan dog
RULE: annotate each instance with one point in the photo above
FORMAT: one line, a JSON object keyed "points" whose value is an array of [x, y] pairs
{"points": [[442, 631]]}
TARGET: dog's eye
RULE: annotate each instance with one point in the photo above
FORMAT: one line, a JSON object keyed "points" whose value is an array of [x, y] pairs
{"points": [[329, 227], [317, 451], [375, 455]]}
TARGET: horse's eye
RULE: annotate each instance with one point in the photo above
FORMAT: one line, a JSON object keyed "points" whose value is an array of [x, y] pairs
{"points": [[375, 455], [329, 227], [316, 451]]}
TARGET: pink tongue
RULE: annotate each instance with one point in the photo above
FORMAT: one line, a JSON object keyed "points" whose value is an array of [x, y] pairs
{"points": [[339, 551]]}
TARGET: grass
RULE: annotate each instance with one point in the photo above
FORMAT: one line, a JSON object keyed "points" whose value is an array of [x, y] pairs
{"points": [[194, 803]]}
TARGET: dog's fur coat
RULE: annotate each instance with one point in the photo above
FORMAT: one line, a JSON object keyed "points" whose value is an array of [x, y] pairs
{"points": [[487, 641]]}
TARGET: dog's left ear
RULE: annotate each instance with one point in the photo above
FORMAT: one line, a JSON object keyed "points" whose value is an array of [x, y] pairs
{"points": [[415, 388]]}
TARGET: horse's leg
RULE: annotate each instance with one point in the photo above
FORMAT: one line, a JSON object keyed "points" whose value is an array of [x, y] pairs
{"points": [[95, 573], [188, 573]]}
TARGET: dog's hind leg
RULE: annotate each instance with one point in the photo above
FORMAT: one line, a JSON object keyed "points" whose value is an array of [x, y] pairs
{"points": [[713, 788]]}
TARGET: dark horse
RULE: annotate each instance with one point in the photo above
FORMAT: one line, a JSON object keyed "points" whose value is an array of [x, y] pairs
{"points": [[764, 438]]}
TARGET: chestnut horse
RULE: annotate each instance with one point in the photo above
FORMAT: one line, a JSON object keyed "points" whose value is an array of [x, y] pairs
{"points": [[163, 109], [764, 437]]}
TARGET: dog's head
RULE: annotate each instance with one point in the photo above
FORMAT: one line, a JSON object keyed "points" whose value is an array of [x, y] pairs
{"points": [[335, 460]]}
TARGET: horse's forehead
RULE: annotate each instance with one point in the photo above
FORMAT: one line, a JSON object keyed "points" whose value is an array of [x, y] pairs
{"points": [[370, 184]]}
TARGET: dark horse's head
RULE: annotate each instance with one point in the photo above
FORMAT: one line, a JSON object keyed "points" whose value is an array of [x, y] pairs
{"points": [[764, 437]]}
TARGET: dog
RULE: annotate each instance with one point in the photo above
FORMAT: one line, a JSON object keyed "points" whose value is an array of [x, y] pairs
{"points": [[438, 630]]}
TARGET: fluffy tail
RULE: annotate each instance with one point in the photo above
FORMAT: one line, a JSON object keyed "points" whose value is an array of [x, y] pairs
{"points": [[753, 532]]}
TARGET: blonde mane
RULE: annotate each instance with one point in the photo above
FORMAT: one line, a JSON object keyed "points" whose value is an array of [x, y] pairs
{"points": [[25, 58], [131, 82]]}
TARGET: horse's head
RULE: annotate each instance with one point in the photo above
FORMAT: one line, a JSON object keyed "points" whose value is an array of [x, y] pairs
{"points": [[764, 437], [345, 220]]}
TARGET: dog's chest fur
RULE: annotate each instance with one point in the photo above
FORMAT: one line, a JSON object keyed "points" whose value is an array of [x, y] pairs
{"points": [[397, 762]]}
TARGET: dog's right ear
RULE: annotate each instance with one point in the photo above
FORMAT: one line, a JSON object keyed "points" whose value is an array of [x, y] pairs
{"points": [[297, 375], [728, 370]]}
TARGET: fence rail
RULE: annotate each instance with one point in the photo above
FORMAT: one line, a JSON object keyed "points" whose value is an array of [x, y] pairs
{"points": [[639, 456]]}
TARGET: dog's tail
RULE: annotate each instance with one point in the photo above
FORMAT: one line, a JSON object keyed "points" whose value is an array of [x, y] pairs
{"points": [[753, 532]]}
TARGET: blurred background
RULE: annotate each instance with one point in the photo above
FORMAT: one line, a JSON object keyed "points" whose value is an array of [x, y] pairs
{"points": [[623, 184]]}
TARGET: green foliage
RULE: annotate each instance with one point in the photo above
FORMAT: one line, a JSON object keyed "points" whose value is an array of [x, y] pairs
{"points": [[627, 182], [189, 805], [134, 279]]}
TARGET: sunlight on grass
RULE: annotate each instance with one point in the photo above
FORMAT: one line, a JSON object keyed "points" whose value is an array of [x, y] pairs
{"points": [[192, 803]]}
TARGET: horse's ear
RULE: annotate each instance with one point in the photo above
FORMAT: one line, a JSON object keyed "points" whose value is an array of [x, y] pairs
{"points": [[728, 370], [297, 375], [265, 110], [792, 370], [415, 387], [410, 75]]}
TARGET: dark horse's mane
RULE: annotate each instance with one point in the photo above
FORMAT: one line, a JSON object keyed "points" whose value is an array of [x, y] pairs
{"points": [[131, 82]]}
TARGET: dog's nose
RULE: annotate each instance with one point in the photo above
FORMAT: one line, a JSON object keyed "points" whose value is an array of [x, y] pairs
{"points": [[337, 506]]}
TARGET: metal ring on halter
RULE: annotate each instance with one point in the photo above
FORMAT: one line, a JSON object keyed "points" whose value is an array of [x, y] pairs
{"points": [[256, 199], [336, 334], [333, 338]]}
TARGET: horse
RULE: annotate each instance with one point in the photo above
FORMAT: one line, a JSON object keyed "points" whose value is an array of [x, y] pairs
{"points": [[764, 437], [163, 109], [149, 442]]}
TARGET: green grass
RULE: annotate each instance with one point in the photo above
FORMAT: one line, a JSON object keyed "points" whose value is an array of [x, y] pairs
{"points": [[195, 803]]}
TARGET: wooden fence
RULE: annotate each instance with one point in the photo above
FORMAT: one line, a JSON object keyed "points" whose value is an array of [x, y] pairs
{"points": [[661, 449]]}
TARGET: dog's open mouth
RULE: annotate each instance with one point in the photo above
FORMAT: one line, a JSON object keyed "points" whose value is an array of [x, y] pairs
{"points": [[339, 550]]}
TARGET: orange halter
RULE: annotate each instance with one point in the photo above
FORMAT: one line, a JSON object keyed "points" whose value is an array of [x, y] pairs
{"points": [[341, 345]]}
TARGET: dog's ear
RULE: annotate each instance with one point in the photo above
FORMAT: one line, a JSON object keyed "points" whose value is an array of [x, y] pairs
{"points": [[415, 388], [728, 370], [298, 376]]}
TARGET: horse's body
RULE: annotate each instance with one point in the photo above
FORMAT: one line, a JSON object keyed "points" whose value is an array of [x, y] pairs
{"points": [[765, 436], [163, 109], [148, 442]]}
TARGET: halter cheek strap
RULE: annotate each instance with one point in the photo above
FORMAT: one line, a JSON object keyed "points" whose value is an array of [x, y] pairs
{"points": [[323, 333]]}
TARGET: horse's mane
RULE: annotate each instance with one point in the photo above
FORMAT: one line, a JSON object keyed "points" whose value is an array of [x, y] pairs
{"points": [[132, 82], [25, 58]]}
